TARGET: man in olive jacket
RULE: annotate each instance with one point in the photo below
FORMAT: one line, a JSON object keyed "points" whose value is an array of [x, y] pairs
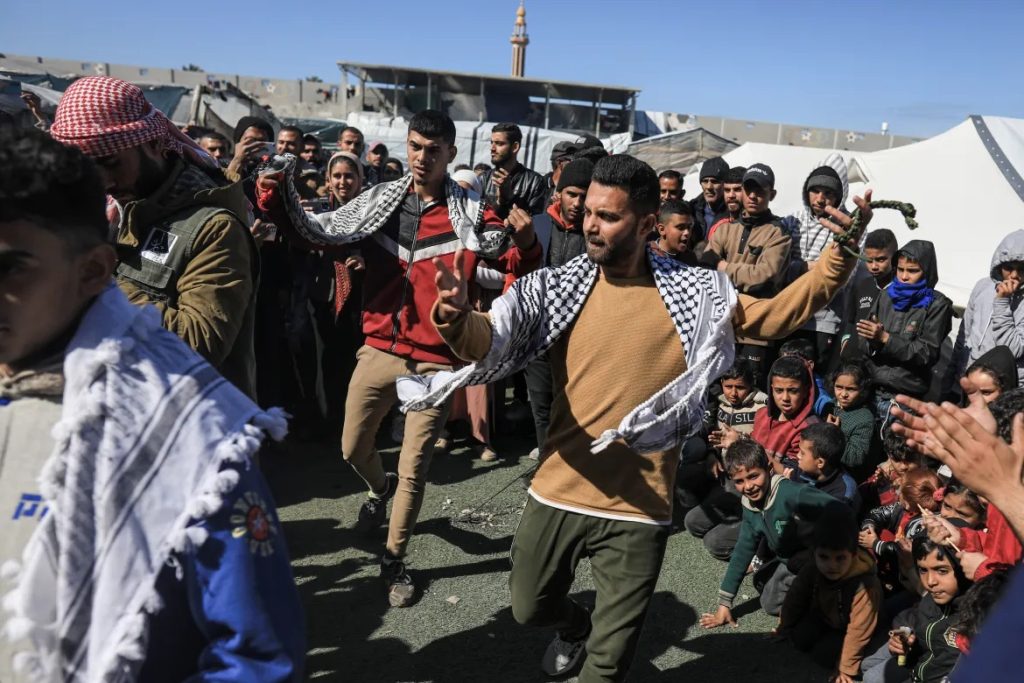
{"points": [[178, 226]]}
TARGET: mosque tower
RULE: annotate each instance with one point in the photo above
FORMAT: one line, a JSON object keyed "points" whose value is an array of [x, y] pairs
{"points": [[519, 42]]}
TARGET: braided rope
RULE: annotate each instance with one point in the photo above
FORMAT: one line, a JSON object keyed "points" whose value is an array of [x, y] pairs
{"points": [[848, 237]]}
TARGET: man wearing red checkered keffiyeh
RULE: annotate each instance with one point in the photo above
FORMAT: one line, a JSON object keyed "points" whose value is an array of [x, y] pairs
{"points": [[181, 229]]}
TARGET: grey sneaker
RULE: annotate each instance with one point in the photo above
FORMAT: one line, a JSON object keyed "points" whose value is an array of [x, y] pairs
{"points": [[374, 512], [401, 590], [562, 655]]}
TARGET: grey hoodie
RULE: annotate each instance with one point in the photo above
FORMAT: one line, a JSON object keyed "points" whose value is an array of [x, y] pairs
{"points": [[990, 321]]}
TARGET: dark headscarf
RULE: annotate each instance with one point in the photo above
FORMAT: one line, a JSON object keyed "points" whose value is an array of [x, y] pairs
{"points": [[999, 361]]}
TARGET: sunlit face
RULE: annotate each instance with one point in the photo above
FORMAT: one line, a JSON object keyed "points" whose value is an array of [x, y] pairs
{"points": [[711, 188], [215, 147], [847, 391], [428, 158], [289, 142], [956, 506], [808, 462], [751, 483], [572, 205], [614, 231], [675, 233], [735, 390], [985, 384], [819, 198], [908, 271], [833, 564], [938, 578], [350, 141], [789, 395], [502, 149], [343, 181], [733, 194], [671, 188], [879, 261], [377, 156]]}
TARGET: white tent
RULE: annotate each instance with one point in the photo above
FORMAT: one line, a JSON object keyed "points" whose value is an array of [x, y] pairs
{"points": [[966, 184]]}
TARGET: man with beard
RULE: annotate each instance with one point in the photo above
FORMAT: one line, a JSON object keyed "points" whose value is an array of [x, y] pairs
{"points": [[401, 226], [510, 183], [671, 185], [181, 230], [754, 252], [595, 317], [732, 194], [560, 231], [709, 206]]}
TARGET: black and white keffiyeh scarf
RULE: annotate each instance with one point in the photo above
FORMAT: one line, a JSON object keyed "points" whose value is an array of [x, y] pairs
{"points": [[539, 308], [368, 212], [149, 443]]}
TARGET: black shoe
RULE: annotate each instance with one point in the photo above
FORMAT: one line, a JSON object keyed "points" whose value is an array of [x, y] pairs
{"points": [[374, 511], [401, 590]]}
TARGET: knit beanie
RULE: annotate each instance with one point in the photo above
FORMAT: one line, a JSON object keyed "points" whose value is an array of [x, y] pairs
{"points": [[714, 168], [825, 176], [735, 175], [577, 173]]}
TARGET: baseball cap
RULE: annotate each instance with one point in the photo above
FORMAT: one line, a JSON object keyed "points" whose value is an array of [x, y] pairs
{"points": [[375, 144], [761, 174]]}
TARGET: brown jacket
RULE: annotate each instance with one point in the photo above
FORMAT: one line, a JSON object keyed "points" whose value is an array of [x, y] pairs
{"points": [[849, 604], [211, 307], [759, 269]]}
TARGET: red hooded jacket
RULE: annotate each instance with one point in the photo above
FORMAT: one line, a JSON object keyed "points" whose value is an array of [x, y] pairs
{"points": [[780, 437], [998, 543]]}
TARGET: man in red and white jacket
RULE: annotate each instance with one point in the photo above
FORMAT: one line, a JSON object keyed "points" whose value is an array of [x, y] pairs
{"points": [[401, 227]]}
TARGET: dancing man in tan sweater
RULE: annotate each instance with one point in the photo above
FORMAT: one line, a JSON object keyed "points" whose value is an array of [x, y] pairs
{"points": [[603, 489]]}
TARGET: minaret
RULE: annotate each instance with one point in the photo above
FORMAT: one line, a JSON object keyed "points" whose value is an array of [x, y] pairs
{"points": [[519, 42]]}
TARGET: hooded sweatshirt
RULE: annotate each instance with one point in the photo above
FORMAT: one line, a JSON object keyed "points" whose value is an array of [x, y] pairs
{"points": [[990, 320], [810, 237], [904, 364], [741, 418], [849, 604], [779, 436]]}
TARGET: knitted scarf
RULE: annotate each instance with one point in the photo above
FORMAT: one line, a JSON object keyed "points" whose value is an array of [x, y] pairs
{"points": [[367, 213], [149, 442], [542, 306], [904, 296]]}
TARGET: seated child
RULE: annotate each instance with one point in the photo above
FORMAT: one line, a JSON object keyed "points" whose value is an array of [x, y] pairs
{"points": [[804, 350], [960, 503], [821, 463], [773, 506], [717, 518], [923, 636], [831, 610], [777, 426], [851, 388], [905, 522], [882, 487]]}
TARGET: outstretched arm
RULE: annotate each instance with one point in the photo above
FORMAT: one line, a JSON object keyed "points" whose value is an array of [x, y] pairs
{"points": [[788, 310], [465, 331]]}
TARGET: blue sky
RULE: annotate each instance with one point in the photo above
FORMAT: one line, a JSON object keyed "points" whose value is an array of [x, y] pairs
{"points": [[921, 66]]}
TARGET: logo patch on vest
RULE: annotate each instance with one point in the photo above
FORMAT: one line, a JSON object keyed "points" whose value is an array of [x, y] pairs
{"points": [[158, 246], [250, 519], [950, 637]]}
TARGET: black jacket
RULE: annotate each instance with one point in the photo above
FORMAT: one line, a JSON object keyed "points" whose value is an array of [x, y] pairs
{"points": [[859, 301], [904, 365], [700, 224], [934, 653], [529, 191]]}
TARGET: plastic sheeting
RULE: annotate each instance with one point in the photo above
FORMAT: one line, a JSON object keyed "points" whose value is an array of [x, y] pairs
{"points": [[680, 151], [965, 203]]}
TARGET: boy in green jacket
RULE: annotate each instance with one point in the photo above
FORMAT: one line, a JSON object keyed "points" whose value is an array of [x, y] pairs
{"points": [[772, 508]]}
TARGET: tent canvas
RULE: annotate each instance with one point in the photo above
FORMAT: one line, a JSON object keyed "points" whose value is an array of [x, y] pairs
{"points": [[962, 183], [680, 150]]}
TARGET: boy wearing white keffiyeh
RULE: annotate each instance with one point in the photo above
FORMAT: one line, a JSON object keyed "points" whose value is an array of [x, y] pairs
{"points": [[144, 544], [603, 487]]}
